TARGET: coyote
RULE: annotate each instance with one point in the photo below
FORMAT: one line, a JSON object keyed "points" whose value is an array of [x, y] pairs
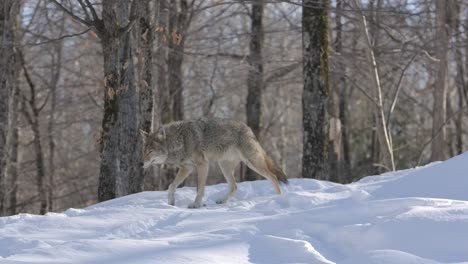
{"points": [[193, 143]]}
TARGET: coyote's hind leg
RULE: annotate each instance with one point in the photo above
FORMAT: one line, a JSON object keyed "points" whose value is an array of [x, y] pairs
{"points": [[228, 167]]}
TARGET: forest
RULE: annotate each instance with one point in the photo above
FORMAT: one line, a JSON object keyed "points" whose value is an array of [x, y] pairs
{"points": [[333, 90]]}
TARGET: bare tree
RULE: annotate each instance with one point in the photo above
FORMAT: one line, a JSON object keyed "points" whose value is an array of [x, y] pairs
{"points": [[31, 109], [56, 71], [255, 76], [345, 92], [174, 20], [9, 69], [163, 113], [178, 24], [11, 169], [338, 141], [460, 81], [144, 54], [383, 135], [316, 89], [120, 136], [438, 148]]}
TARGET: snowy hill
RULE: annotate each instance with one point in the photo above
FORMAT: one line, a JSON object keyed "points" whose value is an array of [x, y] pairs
{"points": [[412, 216]]}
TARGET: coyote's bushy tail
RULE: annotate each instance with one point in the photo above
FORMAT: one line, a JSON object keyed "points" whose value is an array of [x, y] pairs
{"points": [[275, 169], [258, 160]]}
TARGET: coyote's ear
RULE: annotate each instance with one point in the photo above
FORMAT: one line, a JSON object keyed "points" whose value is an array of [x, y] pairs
{"points": [[144, 134], [161, 134]]}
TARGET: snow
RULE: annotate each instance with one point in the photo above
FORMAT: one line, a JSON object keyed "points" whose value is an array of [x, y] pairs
{"points": [[412, 216]]}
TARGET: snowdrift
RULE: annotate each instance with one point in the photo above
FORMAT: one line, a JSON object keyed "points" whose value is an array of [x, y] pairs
{"points": [[412, 216]]}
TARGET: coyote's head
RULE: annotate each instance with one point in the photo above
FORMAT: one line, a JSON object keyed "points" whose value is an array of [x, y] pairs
{"points": [[155, 147]]}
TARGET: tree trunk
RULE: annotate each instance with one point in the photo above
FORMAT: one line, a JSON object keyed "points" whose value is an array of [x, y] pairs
{"points": [[461, 86], [120, 136], [173, 24], [51, 125], [334, 140], [9, 69], [31, 111], [255, 76], [145, 36], [316, 89], [145, 63], [374, 147], [465, 88], [439, 112], [449, 131], [337, 101], [41, 176], [177, 28], [12, 165], [163, 99]]}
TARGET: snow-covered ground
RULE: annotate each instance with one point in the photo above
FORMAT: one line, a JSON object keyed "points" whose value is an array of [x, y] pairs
{"points": [[412, 216]]}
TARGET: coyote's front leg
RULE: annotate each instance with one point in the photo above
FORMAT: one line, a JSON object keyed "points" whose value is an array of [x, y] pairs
{"points": [[184, 171], [202, 171]]}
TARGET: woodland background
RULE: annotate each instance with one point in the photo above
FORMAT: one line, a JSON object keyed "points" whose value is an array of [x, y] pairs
{"points": [[375, 85]]}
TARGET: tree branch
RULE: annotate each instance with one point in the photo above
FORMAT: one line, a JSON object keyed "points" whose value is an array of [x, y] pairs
{"points": [[60, 38], [39, 109], [31, 85], [128, 27], [134, 16], [281, 72], [397, 92], [438, 132], [220, 54], [93, 11], [83, 6], [355, 84], [87, 23]]}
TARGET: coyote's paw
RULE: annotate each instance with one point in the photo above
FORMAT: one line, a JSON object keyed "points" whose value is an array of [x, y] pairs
{"points": [[194, 205], [171, 200], [221, 201]]}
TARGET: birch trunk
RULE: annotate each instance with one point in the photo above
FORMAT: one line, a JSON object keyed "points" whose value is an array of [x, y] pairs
{"points": [[383, 135]]}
